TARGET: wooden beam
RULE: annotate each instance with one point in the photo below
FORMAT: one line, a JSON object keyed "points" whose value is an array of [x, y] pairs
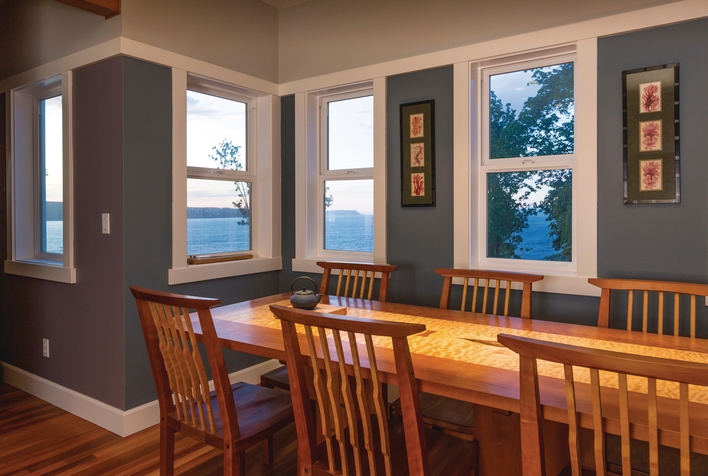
{"points": [[105, 8]]}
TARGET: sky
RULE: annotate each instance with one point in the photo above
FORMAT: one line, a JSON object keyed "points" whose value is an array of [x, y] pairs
{"points": [[211, 119], [53, 148]]}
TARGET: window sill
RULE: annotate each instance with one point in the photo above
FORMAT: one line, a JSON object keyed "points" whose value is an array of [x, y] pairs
{"points": [[204, 272], [41, 270]]}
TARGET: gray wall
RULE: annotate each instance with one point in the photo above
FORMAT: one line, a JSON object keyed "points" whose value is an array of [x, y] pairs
{"points": [[123, 166], [419, 239], [655, 241]]}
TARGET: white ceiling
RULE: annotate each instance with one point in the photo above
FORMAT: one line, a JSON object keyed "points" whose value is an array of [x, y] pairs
{"points": [[279, 4]]}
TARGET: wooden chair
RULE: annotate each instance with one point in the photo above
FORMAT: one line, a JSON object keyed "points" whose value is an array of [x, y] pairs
{"points": [[356, 435], [482, 291], [354, 280], [656, 297], [612, 410], [232, 417]]}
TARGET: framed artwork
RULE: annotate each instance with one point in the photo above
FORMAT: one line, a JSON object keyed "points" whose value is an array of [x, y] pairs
{"points": [[418, 154], [650, 103]]}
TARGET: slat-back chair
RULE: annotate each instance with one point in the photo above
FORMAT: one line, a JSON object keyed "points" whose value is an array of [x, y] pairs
{"points": [[356, 434], [496, 283], [355, 280], [232, 417], [667, 295], [606, 404], [490, 293]]}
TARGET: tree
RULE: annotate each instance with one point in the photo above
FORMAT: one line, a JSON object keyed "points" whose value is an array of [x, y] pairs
{"points": [[545, 126], [229, 157]]}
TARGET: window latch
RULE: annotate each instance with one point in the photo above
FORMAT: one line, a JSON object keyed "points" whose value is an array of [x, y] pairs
{"points": [[351, 172], [528, 162]]}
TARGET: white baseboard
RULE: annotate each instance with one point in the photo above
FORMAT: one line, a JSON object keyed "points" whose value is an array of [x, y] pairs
{"points": [[120, 422]]}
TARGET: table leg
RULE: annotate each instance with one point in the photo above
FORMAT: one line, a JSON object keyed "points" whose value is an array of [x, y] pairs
{"points": [[499, 437]]}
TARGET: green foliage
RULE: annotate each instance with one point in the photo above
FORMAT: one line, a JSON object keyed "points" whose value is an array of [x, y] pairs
{"points": [[506, 219], [545, 126], [229, 157], [328, 199]]}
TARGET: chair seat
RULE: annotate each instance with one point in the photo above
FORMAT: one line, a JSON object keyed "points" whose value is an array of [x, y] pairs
{"points": [[259, 409], [277, 378], [447, 455], [442, 412]]}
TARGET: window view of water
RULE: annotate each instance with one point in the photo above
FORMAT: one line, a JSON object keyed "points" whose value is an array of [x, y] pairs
{"points": [[535, 244], [55, 236], [345, 230], [349, 230], [217, 235]]}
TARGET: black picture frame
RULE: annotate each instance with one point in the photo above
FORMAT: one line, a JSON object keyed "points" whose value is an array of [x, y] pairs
{"points": [[651, 158], [418, 154]]}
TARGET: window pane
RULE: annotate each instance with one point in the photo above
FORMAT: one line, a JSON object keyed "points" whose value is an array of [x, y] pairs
{"points": [[51, 172], [529, 215], [350, 134], [218, 216], [349, 215], [216, 132], [531, 112]]}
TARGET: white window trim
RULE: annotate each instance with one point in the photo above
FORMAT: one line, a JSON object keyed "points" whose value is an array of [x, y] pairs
{"points": [[308, 213], [469, 208], [264, 167], [24, 260]]}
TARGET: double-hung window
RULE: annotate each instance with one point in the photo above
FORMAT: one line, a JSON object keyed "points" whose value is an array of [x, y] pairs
{"points": [[219, 174], [226, 207], [527, 165], [346, 174], [40, 181], [340, 175]]}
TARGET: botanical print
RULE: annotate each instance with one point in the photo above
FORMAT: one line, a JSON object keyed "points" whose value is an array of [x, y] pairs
{"points": [[416, 123], [650, 97], [418, 185], [650, 175], [649, 135], [418, 154]]}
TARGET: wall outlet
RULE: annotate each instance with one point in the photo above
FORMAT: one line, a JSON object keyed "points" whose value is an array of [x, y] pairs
{"points": [[45, 347]]}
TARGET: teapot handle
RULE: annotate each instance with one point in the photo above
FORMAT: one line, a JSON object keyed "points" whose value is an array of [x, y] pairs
{"points": [[292, 286]]}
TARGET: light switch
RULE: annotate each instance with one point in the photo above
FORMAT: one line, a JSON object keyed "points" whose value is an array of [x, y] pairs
{"points": [[106, 223]]}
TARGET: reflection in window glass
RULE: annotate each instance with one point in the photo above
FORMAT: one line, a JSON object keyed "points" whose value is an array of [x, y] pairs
{"points": [[529, 215], [531, 112], [350, 134], [51, 175], [216, 132], [349, 215], [218, 216]]}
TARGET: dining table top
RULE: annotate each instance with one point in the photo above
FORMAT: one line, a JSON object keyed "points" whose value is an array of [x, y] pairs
{"points": [[458, 354]]}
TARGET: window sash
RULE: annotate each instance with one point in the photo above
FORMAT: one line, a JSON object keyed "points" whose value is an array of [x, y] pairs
{"points": [[509, 67], [325, 175], [520, 164]]}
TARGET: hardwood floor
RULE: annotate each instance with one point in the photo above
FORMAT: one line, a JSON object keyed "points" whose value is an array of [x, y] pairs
{"points": [[37, 438]]}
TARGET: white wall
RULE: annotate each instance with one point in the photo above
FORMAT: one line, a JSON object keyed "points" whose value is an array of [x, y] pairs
{"points": [[323, 36]]}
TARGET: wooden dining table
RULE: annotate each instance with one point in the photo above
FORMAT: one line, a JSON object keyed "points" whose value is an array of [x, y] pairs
{"points": [[458, 356]]}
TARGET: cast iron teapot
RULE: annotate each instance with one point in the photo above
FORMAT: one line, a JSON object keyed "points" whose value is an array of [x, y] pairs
{"points": [[304, 299]]}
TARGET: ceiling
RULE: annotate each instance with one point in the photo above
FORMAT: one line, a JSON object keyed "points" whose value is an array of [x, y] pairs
{"points": [[279, 4]]}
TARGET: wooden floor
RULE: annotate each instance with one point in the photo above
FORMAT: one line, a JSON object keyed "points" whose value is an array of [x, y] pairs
{"points": [[37, 438]]}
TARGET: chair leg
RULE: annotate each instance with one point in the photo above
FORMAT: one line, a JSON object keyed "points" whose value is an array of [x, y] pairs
{"points": [[268, 450], [234, 462], [167, 450]]}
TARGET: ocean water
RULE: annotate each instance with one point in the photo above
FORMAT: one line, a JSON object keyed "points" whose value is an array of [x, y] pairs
{"points": [[349, 231], [217, 235], [346, 232], [536, 243]]}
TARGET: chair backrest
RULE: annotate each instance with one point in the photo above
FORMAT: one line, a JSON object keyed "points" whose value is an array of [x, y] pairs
{"points": [[605, 405], [177, 365], [348, 384], [659, 299], [355, 285], [496, 283]]}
